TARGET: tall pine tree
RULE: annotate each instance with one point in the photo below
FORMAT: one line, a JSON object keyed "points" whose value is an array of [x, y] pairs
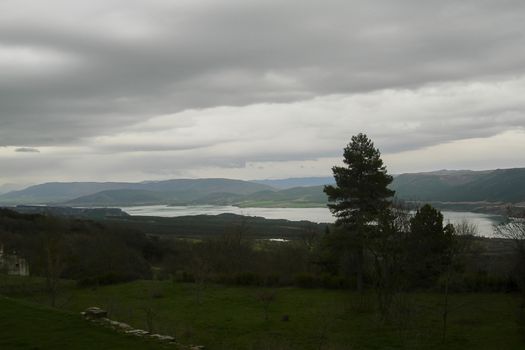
{"points": [[361, 193]]}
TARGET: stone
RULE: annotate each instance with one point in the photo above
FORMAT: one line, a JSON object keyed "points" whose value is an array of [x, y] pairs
{"points": [[137, 332], [161, 337], [95, 313], [121, 325]]}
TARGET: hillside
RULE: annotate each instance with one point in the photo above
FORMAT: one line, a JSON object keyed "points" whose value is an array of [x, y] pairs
{"points": [[470, 188], [54, 193], [293, 197], [501, 185], [466, 187], [121, 198], [297, 182]]}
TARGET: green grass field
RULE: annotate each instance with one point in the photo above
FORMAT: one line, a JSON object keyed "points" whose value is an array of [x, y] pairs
{"points": [[25, 325], [222, 317]]}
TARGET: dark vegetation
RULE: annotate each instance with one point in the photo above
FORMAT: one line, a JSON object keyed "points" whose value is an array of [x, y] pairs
{"points": [[87, 251], [201, 226], [227, 249], [85, 213]]}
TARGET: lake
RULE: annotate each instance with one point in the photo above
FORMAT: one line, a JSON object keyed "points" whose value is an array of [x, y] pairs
{"points": [[484, 222]]}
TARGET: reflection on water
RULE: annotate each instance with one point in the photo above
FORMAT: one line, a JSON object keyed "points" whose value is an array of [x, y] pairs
{"points": [[483, 222]]}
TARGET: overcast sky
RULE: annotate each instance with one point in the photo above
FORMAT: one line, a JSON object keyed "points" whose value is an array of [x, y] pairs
{"points": [[157, 89]]}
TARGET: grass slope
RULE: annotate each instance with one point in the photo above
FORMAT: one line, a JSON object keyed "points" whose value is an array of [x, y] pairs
{"points": [[221, 317], [28, 326]]}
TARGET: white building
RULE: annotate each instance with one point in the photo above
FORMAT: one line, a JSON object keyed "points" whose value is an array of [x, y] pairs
{"points": [[12, 264]]}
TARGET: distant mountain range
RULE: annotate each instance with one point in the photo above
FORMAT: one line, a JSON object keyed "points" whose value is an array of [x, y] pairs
{"points": [[456, 189], [109, 193], [6, 188]]}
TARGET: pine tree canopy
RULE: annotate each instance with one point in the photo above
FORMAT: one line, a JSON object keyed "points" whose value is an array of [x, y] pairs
{"points": [[361, 192]]}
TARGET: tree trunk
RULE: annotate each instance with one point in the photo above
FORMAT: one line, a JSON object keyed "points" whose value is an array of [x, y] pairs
{"points": [[445, 306], [359, 268]]}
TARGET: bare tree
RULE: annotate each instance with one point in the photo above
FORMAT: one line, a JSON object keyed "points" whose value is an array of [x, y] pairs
{"points": [[464, 232], [200, 268], [266, 297], [310, 237], [514, 228], [53, 246], [386, 247], [53, 254], [150, 313]]}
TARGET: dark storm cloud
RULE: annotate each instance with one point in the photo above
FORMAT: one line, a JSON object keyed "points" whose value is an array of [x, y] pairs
{"points": [[71, 70]]}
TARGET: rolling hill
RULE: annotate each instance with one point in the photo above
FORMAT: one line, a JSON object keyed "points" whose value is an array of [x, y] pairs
{"points": [[297, 182], [182, 189], [293, 197], [492, 186], [501, 185]]}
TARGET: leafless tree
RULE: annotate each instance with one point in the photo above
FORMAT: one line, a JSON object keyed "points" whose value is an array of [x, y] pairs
{"points": [[464, 232], [200, 268], [266, 297], [386, 247], [53, 255], [310, 237], [514, 228]]}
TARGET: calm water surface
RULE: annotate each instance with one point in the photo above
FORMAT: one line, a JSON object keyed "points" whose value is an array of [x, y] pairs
{"points": [[483, 222]]}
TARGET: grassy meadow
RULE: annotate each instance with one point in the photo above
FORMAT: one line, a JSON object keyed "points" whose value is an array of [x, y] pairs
{"points": [[224, 317], [25, 325]]}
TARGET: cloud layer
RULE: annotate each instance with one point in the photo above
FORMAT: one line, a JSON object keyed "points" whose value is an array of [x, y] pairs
{"points": [[152, 89]]}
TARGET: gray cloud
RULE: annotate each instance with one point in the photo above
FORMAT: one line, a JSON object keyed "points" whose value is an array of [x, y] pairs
{"points": [[27, 150], [115, 63], [89, 80]]}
